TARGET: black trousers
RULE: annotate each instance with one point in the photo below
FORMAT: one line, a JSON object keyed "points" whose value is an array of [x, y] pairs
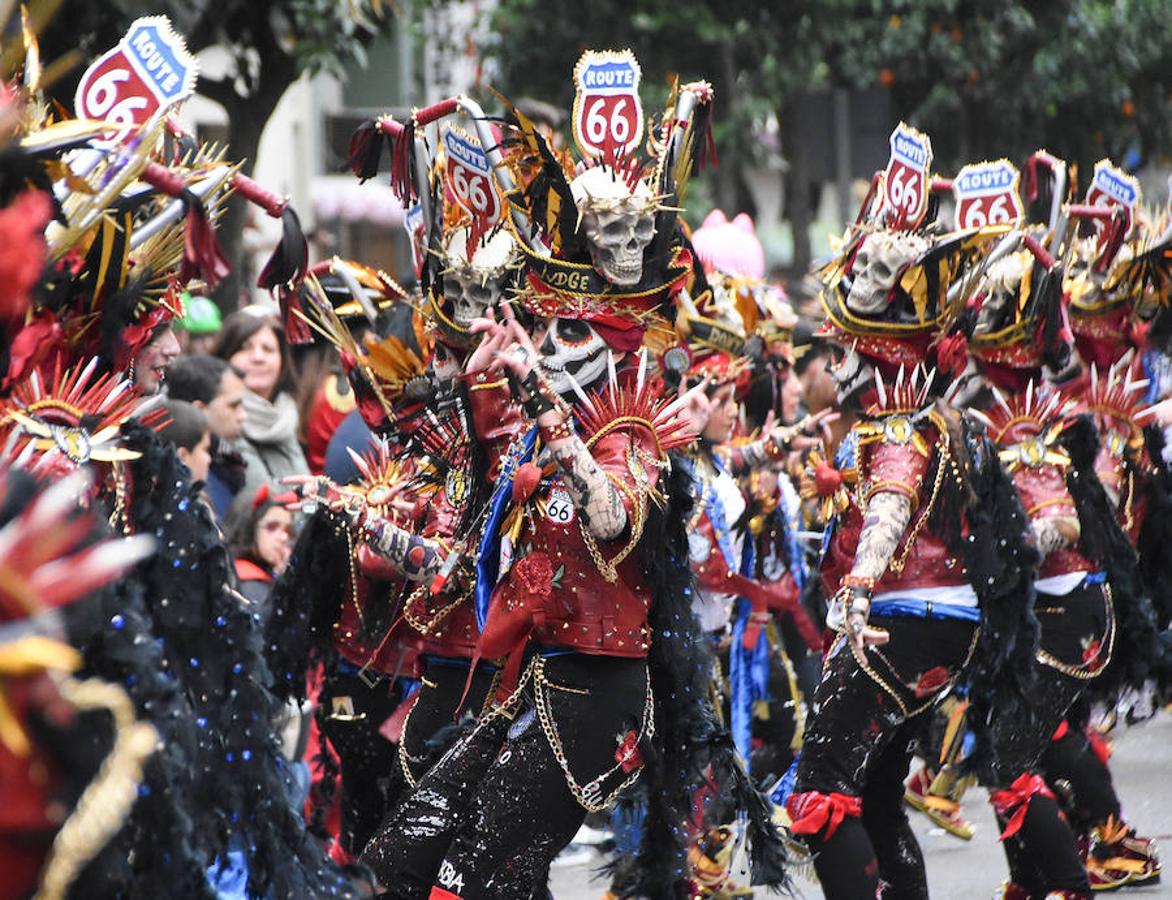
{"points": [[860, 742], [1042, 855], [351, 712], [490, 816]]}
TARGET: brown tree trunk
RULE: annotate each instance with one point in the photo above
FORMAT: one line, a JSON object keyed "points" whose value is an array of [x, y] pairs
{"points": [[247, 117]]}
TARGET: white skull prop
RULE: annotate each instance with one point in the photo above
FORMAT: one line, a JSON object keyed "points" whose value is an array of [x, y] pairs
{"points": [[1001, 283], [880, 259], [852, 375], [572, 348], [472, 287], [618, 223]]}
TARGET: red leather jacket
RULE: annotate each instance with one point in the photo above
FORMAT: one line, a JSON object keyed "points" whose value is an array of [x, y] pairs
{"points": [[889, 460], [555, 593]]}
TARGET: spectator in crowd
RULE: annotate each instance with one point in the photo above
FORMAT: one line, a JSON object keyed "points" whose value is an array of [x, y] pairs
{"points": [[216, 388], [199, 329], [253, 341], [259, 532], [188, 431]]}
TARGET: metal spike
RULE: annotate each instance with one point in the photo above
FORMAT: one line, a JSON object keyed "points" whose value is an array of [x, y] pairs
{"points": [[586, 401], [1094, 380], [358, 461], [1029, 404], [612, 375], [899, 382], [642, 372], [1000, 398], [929, 378], [881, 388]]}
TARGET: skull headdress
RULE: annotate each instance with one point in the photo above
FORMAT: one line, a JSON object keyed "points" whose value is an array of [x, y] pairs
{"points": [[477, 279], [894, 292], [604, 254], [618, 222]]}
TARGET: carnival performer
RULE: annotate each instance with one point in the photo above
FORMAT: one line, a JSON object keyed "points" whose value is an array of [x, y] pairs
{"points": [[920, 593], [87, 351]]}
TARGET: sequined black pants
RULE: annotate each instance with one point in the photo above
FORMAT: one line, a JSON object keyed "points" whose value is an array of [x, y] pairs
{"points": [[859, 743], [490, 816], [352, 711]]}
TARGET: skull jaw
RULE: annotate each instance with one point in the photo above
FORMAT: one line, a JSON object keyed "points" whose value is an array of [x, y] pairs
{"points": [[622, 272]]}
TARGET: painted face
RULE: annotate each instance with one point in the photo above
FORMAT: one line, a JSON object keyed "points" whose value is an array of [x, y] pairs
{"points": [[571, 348], [226, 412], [274, 538], [722, 414], [152, 362], [259, 358], [853, 375], [444, 365]]}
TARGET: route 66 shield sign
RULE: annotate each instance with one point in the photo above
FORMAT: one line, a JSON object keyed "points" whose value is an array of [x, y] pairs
{"points": [[470, 177], [608, 115], [987, 194], [146, 72], [905, 180], [1111, 187]]}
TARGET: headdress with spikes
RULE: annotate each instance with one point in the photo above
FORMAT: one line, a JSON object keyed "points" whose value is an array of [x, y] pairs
{"points": [[1027, 425], [895, 285]]}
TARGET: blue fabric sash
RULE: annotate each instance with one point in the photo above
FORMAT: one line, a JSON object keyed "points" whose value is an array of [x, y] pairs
{"points": [[924, 609], [488, 554]]}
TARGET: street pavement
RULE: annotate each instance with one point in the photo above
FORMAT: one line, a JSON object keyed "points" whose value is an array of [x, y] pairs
{"points": [[972, 870]]}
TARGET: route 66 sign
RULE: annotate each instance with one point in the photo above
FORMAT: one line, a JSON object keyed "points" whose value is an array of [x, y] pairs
{"points": [[905, 180], [987, 194], [470, 177], [608, 115], [146, 72], [1111, 187]]}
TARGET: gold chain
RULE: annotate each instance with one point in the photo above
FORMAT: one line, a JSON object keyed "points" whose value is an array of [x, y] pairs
{"points": [[589, 797], [861, 659], [1081, 672], [103, 806], [896, 565], [609, 569]]}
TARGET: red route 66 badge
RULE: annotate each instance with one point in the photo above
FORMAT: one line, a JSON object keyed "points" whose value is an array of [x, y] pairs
{"points": [[470, 177], [608, 115], [1112, 187], [146, 73], [987, 194], [906, 178]]}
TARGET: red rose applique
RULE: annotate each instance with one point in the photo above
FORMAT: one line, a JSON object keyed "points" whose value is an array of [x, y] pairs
{"points": [[627, 755], [533, 575], [1091, 651], [932, 680]]}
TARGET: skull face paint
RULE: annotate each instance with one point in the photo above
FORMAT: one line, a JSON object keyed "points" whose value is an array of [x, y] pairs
{"points": [[572, 348], [853, 374], [618, 223], [880, 260], [471, 287]]}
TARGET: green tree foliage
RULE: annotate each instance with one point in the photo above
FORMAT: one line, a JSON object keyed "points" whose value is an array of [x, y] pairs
{"points": [[1083, 78], [270, 43]]}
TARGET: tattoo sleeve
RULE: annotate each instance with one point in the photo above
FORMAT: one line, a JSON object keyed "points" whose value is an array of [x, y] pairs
{"points": [[597, 500], [1055, 532], [417, 558], [763, 452], [888, 514]]}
